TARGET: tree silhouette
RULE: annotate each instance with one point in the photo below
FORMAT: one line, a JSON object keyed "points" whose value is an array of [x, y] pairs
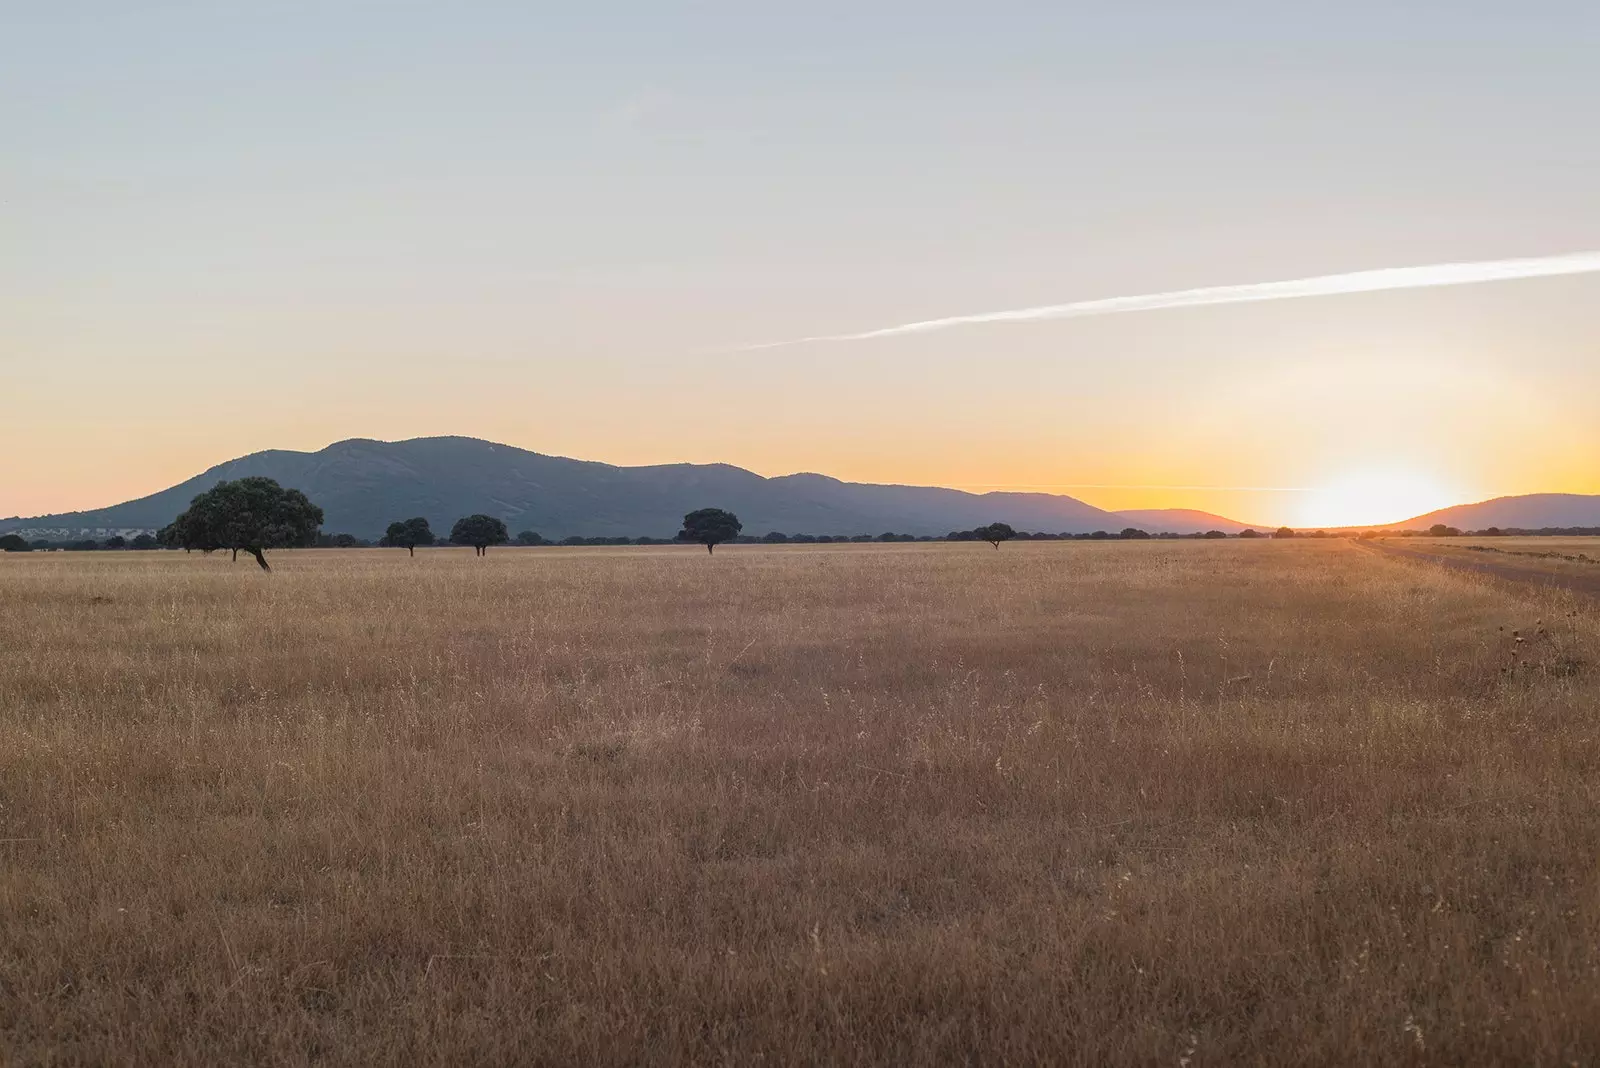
{"points": [[479, 531], [1283, 532], [14, 543], [531, 537], [710, 527], [995, 533], [407, 534], [250, 514]]}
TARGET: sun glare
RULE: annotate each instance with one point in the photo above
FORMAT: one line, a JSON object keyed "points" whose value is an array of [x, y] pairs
{"points": [[1374, 498]]}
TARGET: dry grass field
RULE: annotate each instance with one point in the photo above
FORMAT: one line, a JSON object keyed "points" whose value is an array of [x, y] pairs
{"points": [[1078, 803], [1577, 558]]}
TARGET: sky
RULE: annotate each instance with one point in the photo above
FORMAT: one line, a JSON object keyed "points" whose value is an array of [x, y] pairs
{"points": [[230, 226]]}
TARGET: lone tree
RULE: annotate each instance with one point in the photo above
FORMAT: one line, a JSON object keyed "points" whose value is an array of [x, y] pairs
{"points": [[14, 543], [710, 527], [479, 531], [1283, 532], [995, 533], [407, 534], [253, 514]]}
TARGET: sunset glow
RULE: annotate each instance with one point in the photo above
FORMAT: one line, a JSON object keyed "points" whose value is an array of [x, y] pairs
{"points": [[227, 247], [1376, 498]]}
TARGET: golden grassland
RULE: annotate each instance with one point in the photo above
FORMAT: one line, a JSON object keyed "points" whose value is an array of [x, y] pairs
{"points": [[1083, 803], [1577, 558]]}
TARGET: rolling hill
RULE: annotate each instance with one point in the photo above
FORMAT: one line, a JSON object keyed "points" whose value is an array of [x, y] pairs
{"points": [[362, 485], [1531, 511], [1184, 521]]}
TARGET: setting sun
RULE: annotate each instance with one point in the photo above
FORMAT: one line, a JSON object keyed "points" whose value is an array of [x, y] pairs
{"points": [[1375, 498]]}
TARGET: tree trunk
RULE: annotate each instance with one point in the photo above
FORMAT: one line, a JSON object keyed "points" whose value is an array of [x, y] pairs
{"points": [[261, 557], [236, 556], [711, 547], [412, 549]]}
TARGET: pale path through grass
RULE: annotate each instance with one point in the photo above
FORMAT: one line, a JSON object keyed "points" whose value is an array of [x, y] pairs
{"points": [[1085, 803]]}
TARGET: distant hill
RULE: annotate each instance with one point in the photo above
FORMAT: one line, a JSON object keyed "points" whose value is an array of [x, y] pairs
{"points": [[363, 485], [1530, 511], [1183, 521]]}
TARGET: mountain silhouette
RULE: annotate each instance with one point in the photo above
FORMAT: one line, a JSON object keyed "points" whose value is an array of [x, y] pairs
{"points": [[1530, 511], [363, 485]]}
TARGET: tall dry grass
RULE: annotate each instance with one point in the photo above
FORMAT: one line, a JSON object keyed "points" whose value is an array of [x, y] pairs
{"points": [[1101, 803]]}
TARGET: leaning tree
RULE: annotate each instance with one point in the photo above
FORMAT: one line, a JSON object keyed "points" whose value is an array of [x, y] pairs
{"points": [[479, 531], [710, 527], [407, 534], [250, 514]]}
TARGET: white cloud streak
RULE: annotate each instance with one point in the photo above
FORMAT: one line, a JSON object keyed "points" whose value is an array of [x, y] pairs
{"points": [[1328, 285]]}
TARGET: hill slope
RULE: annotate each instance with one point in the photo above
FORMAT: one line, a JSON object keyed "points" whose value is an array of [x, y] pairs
{"points": [[362, 485], [1182, 521], [1529, 511]]}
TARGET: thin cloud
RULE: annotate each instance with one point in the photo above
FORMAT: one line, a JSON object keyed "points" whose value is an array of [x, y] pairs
{"points": [[1136, 486], [641, 109], [1328, 285]]}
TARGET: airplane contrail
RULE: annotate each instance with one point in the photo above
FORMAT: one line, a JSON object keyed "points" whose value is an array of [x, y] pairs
{"points": [[1327, 285]]}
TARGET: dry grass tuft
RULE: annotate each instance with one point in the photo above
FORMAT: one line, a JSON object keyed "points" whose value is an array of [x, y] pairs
{"points": [[1093, 803]]}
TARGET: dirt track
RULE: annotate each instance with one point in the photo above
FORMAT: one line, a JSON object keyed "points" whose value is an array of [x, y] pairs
{"points": [[1589, 584]]}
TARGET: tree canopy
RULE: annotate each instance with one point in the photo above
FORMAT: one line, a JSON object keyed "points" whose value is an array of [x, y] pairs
{"points": [[14, 543], [407, 534], [479, 531], [250, 514], [995, 533], [710, 527]]}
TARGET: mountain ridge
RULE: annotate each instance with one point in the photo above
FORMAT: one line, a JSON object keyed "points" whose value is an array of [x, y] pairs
{"points": [[1527, 511], [363, 484]]}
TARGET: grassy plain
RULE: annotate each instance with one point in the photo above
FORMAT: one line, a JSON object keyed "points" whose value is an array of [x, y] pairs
{"points": [[1094, 803], [1577, 558]]}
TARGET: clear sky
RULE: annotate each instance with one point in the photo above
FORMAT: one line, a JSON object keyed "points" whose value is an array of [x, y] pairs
{"points": [[230, 226]]}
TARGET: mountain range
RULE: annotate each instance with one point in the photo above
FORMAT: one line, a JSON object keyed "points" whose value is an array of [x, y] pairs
{"points": [[363, 485], [1529, 511]]}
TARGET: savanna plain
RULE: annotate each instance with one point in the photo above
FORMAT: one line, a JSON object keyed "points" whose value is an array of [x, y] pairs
{"points": [[1091, 803]]}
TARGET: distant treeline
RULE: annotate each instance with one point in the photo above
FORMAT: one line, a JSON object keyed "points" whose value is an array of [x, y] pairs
{"points": [[15, 543]]}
